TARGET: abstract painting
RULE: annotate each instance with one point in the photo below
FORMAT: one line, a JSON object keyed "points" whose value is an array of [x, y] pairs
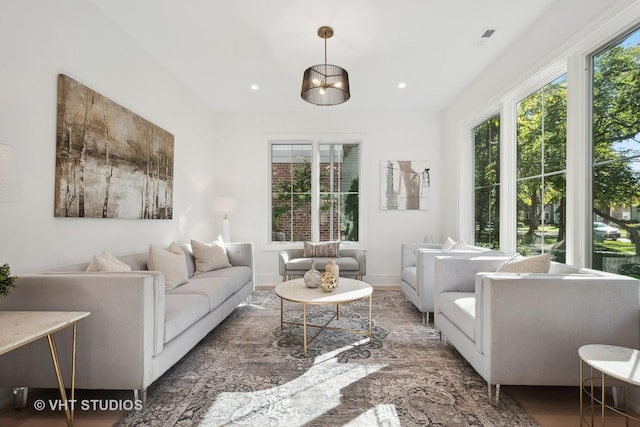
{"points": [[405, 184], [110, 162]]}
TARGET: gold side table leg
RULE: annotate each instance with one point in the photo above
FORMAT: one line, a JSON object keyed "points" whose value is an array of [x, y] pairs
{"points": [[73, 368], [602, 385], [56, 367], [581, 393]]}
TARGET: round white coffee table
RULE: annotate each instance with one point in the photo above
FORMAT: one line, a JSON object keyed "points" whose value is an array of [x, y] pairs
{"points": [[613, 363], [348, 290]]}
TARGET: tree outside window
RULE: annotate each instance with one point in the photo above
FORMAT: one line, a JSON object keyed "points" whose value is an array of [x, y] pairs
{"points": [[541, 176], [487, 183], [616, 156]]}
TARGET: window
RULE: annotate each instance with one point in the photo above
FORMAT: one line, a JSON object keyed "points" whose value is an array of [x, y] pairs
{"points": [[616, 156], [487, 183], [541, 170], [315, 191]]}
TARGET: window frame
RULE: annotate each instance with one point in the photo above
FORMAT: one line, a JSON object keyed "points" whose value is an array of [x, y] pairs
{"points": [[315, 141]]}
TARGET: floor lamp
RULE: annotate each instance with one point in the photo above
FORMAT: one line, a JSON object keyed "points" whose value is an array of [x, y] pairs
{"points": [[225, 205]]}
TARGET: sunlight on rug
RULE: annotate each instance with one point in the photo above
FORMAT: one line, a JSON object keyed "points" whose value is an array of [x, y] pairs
{"points": [[300, 401]]}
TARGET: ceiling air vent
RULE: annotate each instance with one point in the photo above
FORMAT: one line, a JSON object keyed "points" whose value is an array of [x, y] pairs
{"points": [[484, 36], [488, 33]]}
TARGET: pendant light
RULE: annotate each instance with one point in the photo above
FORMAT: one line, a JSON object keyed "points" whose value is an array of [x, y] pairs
{"points": [[325, 84]]}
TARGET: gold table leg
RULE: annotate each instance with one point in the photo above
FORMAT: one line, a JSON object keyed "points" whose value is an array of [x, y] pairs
{"points": [[68, 406]]}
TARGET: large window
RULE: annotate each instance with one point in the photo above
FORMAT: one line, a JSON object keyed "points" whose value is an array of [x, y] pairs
{"points": [[315, 191], [616, 156], [487, 183], [541, 174]]}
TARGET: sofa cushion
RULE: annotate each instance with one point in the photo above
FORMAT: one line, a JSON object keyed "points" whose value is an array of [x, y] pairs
{"points": [[304, 264], [460, 309], [210, 256], [532, 264], [107, 262], [216, 285], [321, 249], [182, 311], [171, 262]]}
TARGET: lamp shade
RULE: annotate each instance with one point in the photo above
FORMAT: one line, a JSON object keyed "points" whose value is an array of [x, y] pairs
{"points": [[9, 185], [224, 204], [325, 84]]}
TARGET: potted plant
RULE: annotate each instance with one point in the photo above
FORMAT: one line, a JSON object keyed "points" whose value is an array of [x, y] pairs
{"points": [[7, 281]]}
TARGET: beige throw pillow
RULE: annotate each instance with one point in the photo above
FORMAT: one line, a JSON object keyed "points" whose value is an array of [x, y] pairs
{"points": [[448, 244], [171, 262], [107, 262], [532, 264], [322, 249], [212, 256]]}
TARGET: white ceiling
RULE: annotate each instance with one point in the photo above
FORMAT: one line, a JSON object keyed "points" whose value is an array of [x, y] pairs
{"points": [[219, 48]]}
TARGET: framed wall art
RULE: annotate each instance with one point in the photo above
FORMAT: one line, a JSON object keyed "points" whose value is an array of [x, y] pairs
{"points": [[110, 162], [405, 184]]}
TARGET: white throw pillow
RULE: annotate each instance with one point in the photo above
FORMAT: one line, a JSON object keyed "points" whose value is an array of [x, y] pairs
{"points": [[107, 262], [171, 262], [448, 244], [532, 264], [460, 245], [210, 256]]}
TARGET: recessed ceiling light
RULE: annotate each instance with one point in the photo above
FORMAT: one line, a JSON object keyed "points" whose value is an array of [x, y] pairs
{"points": [[402, 85], [255, 87]]}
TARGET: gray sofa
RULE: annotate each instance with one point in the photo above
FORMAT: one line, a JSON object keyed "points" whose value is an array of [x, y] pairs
{"points": [[352, 263], [136, 330], [526, 328], [417, 270]]}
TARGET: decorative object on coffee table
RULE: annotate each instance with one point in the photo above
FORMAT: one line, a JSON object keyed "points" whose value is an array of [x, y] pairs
{"points": [[333, 268], [312, 277], [328, 282]]}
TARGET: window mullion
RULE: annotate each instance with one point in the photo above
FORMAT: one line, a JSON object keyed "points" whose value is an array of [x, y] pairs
{"points": [[315, 193]]}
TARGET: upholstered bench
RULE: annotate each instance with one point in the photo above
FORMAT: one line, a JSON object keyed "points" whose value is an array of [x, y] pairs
{"points": [[294, 263]]}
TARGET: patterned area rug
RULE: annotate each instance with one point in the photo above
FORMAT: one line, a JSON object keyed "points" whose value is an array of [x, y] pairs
{"points": [[250, 372]]}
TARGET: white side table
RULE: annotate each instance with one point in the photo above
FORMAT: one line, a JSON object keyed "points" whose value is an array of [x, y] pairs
{"points": [[613, 363]]}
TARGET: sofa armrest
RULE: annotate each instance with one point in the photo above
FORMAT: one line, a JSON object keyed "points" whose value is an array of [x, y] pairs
{"points": [[409, 252], [458, 274], [285, 256], [360, 255], [116, 343], [540, 320], [240, 254]]}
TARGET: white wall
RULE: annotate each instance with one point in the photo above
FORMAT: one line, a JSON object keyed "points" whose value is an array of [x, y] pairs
{"points": [[39, 40], [242, 169]]}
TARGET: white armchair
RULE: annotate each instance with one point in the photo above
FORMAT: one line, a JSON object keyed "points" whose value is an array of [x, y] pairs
{"points": [[418, 269], [526, 328]]}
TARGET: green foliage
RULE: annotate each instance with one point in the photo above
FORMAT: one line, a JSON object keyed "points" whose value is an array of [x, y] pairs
{"points": [[7, 281]]}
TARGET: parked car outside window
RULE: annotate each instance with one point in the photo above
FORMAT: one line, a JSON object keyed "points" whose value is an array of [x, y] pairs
{"points": [[604, 231]]}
